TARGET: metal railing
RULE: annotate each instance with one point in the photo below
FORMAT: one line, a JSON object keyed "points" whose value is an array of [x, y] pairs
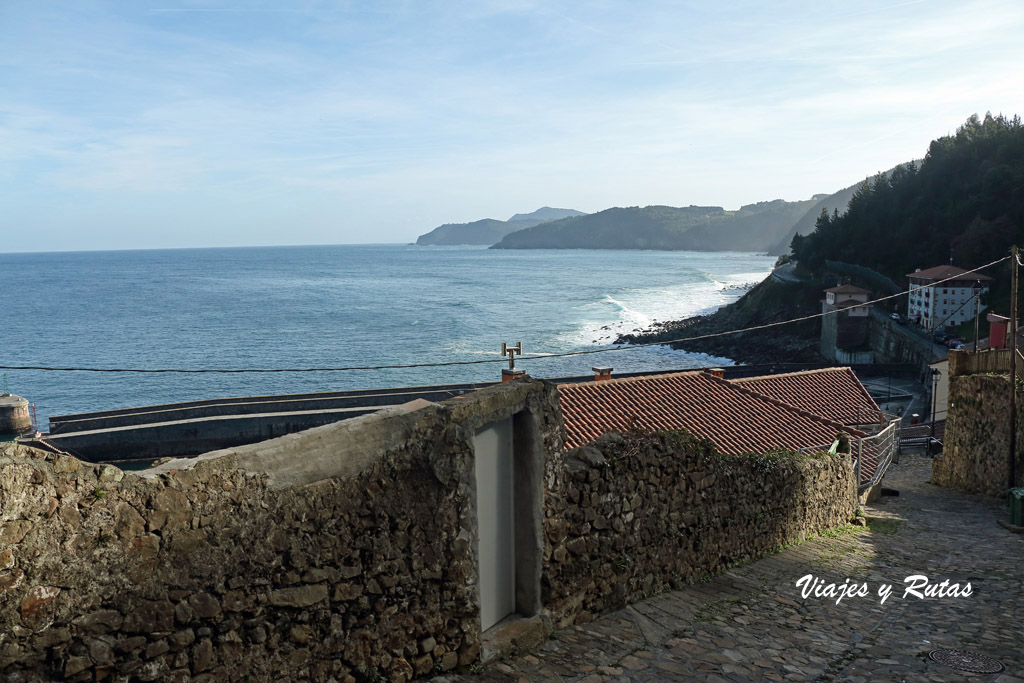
{"points": [[879, 448]]}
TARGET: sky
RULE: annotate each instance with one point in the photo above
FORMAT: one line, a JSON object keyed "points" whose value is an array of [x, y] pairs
{"points": [[164, 124]]}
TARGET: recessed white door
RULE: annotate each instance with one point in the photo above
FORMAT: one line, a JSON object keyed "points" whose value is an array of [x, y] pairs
{"points": [[494, 500]]}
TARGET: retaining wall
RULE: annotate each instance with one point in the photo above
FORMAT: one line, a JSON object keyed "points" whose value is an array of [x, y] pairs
{"points": [[976, 453], [349, 551], [629, 517]]}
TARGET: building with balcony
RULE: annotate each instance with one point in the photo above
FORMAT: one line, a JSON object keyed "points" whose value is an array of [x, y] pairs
{"points": [[944, 296]]}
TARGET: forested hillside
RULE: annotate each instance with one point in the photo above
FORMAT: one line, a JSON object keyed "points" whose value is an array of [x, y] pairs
{"points": [[833, 203], [966, 198], [965, 201], [754, 227]]}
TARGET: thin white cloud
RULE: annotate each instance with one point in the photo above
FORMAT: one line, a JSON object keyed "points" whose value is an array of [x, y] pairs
{"points": [[417, 114]]}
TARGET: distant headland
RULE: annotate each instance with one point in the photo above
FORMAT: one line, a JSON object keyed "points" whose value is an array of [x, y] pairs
{"points": [[491, 231]]}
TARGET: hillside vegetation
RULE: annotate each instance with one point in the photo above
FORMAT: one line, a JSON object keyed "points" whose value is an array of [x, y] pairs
{"points": [[754, 227], [486, 231], [834, 203], [965, 201]]}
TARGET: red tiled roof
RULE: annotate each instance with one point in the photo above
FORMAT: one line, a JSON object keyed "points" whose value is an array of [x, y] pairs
{"points": [[832, 393], [944, 272], [735, 419], [848, 289]]}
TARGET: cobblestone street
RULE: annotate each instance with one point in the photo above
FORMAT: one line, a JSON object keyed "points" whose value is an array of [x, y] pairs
{"points": [[752, 624]]}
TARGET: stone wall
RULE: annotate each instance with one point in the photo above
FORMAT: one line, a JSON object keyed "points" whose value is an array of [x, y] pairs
{"points": [[891, 344], [976, 452], [631, 516], [829, 333], [346, 551], [349, 551]]}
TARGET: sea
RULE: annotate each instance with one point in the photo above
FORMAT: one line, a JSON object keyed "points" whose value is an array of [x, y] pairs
{"points": [[334, 307]]}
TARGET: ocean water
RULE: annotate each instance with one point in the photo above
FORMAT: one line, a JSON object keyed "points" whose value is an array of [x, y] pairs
{"points": [[296, 307]]}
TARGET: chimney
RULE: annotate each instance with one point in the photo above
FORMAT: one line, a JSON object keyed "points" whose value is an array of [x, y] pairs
{"points": [[602, 373], [509, 375], [716, 372]]}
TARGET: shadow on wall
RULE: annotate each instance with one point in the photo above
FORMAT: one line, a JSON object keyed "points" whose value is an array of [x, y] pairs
{"points": [[352, 549], [634, 515], [976, 452]]}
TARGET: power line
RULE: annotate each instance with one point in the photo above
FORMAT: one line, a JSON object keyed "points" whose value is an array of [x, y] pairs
{"points": [[542, 356]]}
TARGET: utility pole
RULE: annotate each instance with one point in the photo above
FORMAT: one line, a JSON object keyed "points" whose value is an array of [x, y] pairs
{"points": [[1012, 330], [977, 311]]}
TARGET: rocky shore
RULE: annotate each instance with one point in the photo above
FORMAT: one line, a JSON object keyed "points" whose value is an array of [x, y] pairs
{"points": [[768, 302]]}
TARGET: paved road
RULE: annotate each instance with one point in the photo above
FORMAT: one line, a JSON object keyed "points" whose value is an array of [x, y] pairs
{"points": [[786, 273], [918, 403], [752, 624]]}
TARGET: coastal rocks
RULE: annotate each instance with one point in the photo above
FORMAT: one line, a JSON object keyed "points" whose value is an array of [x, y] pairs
{"points": [[768, 302]]}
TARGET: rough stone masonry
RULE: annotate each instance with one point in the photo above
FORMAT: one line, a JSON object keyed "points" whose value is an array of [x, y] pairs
{"points": [[348, 552]]}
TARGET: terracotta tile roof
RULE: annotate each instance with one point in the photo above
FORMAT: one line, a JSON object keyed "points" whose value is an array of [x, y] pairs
{"points": [[848, 289], [832, 393], [944, 272], [736, 419]]}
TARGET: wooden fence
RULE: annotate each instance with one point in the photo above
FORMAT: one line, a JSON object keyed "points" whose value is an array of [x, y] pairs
{"points": [[991, 360]]}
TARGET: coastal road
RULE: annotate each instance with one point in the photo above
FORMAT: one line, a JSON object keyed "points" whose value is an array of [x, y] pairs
{"points": [[786, 273], [881, 387]]}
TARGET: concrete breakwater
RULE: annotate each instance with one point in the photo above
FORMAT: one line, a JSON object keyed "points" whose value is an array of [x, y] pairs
{"points": [[194, 427]]}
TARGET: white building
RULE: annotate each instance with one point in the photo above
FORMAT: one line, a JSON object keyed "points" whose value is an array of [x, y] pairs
{"points": [[935, 304], [846, 296]]}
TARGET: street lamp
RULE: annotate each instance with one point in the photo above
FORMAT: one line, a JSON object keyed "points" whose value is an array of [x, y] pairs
{"points": [[935, 386]]}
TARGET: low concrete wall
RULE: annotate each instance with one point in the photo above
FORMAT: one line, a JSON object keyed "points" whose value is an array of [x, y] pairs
{"points": [[976, 453], [253, 405], [193, 436]]}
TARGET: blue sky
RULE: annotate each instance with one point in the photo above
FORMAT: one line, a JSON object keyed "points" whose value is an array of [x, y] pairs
{"points": [[151, 124]]}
